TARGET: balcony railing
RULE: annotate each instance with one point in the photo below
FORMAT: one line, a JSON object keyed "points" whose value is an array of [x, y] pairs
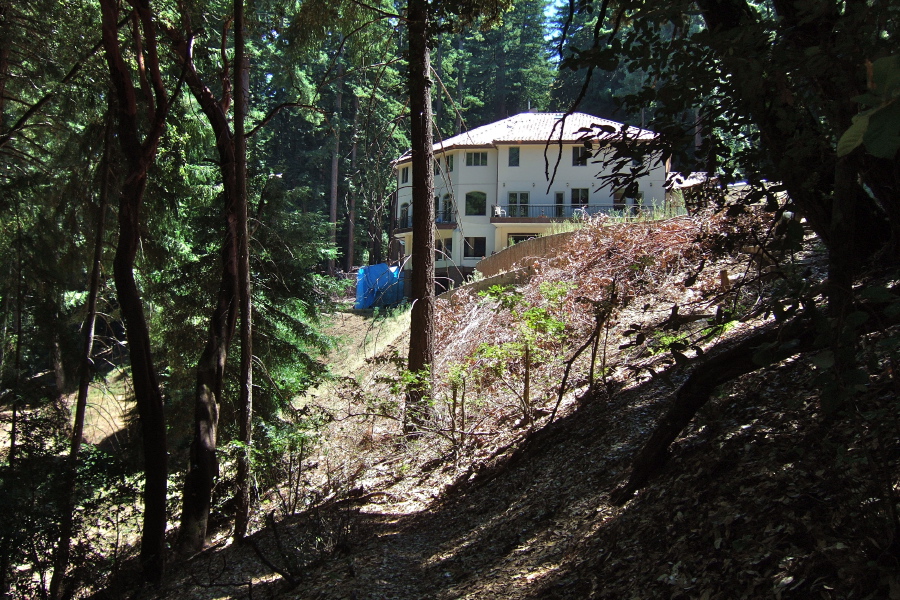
{"points": [[442, 216], [562, 211], [537, 211]]}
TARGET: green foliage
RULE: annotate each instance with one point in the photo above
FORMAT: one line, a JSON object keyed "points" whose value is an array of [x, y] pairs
{"points": [[31, 489], [878, 128], [661, 343], [554, 292], [571, 42], [381, 313], [540, 321], [505, 295], [492, 68], [282, 448], [408, 379], [539, 332], [718, 329]]}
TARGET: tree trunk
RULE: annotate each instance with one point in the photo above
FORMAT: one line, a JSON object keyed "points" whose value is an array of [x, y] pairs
{"points": [[421, 343], [351, 213], [17, 353], [56, 360], [203, 465], [376, 254], [67, 510], [4, 60], [335, 159], [139, 156], [459, 90], [500, 82], [146, 386], [438, 111], [5, 335], [245, 429]]}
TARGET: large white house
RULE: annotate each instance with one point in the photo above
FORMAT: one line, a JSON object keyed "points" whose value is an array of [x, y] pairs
{"points": [[491, 190]]}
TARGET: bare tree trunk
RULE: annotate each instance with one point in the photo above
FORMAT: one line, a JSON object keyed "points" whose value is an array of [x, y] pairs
{"points": [[421, 343], [4, 59], [61, 556], [459, 91], [17, 354], [245, 429], [351, 213], [146, 385], [335, 160], [376, 253], [139, 156], [438, 108], [5, 335], [500, 107], [56, 360], [843, 260]]}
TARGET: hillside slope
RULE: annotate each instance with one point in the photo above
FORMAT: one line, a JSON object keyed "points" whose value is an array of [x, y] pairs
{"points": [[763, 496]]}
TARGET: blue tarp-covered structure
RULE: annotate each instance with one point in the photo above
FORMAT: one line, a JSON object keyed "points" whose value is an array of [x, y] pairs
{"points": [[378, 285]]}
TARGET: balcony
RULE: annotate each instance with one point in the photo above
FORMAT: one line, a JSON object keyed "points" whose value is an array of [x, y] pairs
{"points": [[443, 219], [511, 213]]}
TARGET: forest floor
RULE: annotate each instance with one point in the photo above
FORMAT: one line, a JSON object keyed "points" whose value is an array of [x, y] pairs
{"points": [[763, 495]]}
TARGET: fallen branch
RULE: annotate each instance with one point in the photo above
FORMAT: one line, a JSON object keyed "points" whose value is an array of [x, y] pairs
{"points": [[214, 581], [285, 573], [795, 336]]}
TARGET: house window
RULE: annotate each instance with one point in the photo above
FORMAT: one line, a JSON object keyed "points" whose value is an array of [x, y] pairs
{"points": [[448, 160], [580, 156], [476, 203], [437, 167], [514, 156], [404, 215], [445, 213], [560, 203], [579, 197], [443, 249], [404, 175], [475, 247], [619, 199], [518, 204], [476, 159]]}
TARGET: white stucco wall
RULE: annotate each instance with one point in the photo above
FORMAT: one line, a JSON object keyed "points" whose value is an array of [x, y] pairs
{"points": [[497, 179]]}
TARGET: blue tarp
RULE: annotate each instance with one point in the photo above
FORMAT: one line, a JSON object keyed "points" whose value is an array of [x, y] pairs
{"points": [[378, 285]]}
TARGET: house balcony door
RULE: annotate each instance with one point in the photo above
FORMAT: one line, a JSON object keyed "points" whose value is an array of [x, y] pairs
{"points": [[560, 205], [518, 204], [443, 210]]}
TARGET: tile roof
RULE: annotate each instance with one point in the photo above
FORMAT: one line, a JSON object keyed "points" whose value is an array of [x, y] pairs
{"points": [[538, 127]]}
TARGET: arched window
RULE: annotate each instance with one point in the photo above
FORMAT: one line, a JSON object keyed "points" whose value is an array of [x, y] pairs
{"points": [[476, 203]]}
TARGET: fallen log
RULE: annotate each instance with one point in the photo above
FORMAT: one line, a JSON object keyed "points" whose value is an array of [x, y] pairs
{"points": [[781, 342]]}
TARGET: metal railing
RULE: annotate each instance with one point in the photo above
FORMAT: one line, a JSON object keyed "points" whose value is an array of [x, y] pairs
{"points": [[443, 216], [562, 211], [537, 211]]}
